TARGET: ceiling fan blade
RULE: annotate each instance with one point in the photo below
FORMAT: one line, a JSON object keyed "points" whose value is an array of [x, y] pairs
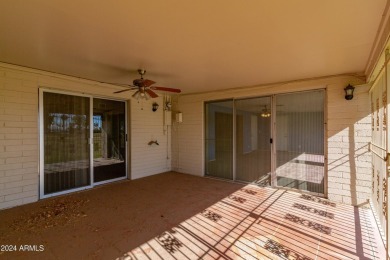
{"points": [[146, 83], [129, 87], [151, 93], [120, 91], [176, 90]]}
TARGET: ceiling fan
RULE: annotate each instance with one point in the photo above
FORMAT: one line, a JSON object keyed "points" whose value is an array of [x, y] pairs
{"points": [[144, 87]]}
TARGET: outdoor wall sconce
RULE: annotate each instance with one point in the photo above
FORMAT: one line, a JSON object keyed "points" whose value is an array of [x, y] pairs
{"points": [[349, 92], [154, 107]]}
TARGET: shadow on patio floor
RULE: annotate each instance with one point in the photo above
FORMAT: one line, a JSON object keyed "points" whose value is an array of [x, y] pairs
{"points": [[178, 216]]}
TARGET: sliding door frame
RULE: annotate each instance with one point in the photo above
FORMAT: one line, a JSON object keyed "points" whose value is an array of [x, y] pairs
{"points": [[271, 100], [274, 155], [92, 184], [274, 182], [234, 140], [272, 137]]}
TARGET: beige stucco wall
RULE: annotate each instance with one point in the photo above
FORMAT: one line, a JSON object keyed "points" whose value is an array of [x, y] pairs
{"points": [[348, 133], [19, 130]]}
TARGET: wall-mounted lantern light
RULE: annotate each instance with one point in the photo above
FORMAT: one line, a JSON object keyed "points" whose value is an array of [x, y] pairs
{"points": [[154, 107], [349, 92]]}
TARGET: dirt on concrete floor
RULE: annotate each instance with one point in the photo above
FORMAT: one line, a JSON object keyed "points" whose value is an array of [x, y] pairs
{"points": [[107, 221]]}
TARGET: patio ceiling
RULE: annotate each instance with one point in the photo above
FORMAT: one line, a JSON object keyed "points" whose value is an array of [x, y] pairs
{"points": [[193, 45]]}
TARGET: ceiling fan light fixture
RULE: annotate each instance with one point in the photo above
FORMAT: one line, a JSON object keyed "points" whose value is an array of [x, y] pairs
{"points": [[136, 95], [265, 113], [139, 94]]}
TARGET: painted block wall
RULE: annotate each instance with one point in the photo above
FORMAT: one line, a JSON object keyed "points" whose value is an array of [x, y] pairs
{"points": [[148, 126], [19, 130], [348, 133]]}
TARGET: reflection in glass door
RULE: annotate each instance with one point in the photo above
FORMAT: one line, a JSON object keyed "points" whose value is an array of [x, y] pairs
{"points": [[109, 140], [65, 131], [253, 133], [300, 141]]}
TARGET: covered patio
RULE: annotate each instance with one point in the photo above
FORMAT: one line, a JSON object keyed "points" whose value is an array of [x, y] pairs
{"points": [[179, 216]]}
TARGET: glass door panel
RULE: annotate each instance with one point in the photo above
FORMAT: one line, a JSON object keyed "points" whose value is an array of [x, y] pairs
{"points": [[300, 141], [219, 139], [66, 133], [253, 133], [109, 140]]}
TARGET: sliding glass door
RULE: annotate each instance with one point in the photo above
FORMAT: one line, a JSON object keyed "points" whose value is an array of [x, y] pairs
{"points": [[276, 140], [253, 133], [300, 141], [66, 134], [109, 140], [81, 137], [219, 139], [251, 141]]}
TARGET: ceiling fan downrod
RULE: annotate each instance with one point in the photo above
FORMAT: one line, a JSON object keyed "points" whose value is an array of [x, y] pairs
{"points": [[142, 73]]}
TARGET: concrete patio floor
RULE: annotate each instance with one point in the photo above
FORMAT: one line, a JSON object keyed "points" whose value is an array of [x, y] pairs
{"points": [[179, 216]]}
